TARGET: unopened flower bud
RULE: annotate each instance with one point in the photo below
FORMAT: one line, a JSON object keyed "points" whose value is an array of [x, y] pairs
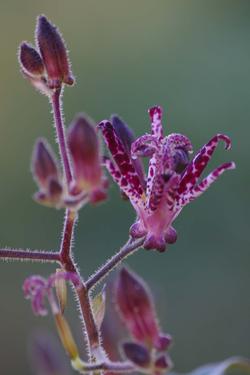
{"points": [[85, 152], [163, 362], [61, 290], [137, 353], [44, 165], [163, 342], [30, 60], [66, 336], [171, 235], [54, 53], [136, 307]]}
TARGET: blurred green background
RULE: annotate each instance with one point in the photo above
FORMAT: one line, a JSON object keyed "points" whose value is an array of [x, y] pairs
{"points": [[193, 58]]}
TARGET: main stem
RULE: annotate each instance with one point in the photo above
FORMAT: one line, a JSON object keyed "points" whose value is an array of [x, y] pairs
{"points": [[68, 264], [66, 256]]}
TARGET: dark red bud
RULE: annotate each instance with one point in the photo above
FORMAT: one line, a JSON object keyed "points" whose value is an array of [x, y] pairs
{"points": [[163, 342], [30, 60], [163, 362], [54, 53], [44, 166], [171, 235], [136, 307], [136, 353], [152, 242], [84, 148]]}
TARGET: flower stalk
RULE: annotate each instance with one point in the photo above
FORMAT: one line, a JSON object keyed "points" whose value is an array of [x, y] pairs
{"points": [[29, 255], [60, 131]]}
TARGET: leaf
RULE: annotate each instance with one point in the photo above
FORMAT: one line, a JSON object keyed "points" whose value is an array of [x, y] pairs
{"points": [[98, 306], [239, 364]]}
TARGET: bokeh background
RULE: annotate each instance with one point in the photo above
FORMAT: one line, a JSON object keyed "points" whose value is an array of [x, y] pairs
{"points": [[193, 58]]}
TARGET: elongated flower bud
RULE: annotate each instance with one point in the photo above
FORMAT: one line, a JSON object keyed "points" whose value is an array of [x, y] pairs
{"points": [[44, 165], [136, 308], [66, 336], [54, 53], [30, 60], [85, 152], [61, 290]]}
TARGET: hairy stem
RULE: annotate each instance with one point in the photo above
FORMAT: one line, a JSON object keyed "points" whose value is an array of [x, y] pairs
{"points": [[68, 264], [60, 131], [116, 367], [29, 255], [129, 248], [66, 256]]}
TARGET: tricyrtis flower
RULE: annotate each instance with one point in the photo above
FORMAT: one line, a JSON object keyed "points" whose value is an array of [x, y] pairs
{"points": [[172, 181], [47, 66]]}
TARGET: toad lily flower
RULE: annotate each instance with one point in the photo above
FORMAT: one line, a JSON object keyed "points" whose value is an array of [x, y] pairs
{"points": [[172, 180]]}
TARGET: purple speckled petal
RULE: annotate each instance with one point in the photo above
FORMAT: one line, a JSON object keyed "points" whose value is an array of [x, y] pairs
{"points": [[121, 181], [120, 157], [145, 146], [155, 114], [199, 163], [156, 193], [126, 136], [196, 191]]}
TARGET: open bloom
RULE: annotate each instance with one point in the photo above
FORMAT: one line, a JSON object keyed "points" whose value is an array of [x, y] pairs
{"points": [[172, 181]]}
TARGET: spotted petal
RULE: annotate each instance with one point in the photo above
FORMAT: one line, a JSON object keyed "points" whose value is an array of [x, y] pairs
{"points": [[196, 191], [121, 157], [121, 181], [199, 163], [155, 114]]}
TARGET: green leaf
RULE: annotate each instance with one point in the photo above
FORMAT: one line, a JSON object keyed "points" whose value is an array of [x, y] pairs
{"points": [[239, 364]]}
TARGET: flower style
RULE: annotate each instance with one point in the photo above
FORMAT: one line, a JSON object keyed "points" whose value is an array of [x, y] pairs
{"points": [[172, 180]]}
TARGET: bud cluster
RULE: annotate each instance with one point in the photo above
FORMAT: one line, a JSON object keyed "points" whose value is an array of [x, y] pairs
{"points": [[88, 185], [47, 66], [136, 308]]}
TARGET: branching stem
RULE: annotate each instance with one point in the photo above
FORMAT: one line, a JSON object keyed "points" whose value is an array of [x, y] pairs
{"points": [[116, 367], [66, 256], [29, 255], [129, 248]]}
